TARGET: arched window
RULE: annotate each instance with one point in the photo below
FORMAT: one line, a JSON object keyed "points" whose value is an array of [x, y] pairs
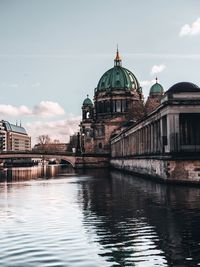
{"points": [[123, 105], [87, 115], [114, 105], [100, 146], [118, 106]]}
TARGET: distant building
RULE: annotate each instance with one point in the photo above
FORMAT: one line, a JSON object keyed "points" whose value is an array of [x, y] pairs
{"points": [[73, 141], [13, 137], [51, 147]]}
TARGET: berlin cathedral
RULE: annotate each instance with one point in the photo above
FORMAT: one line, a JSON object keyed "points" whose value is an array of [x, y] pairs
{"points": [[117, 104]]}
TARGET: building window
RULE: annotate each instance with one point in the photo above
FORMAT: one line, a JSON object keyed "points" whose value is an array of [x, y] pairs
{"points": [[100, 145], [118, 106], [87, 115], [189, 128], [107, 106], [114, 105], [123, 105]]}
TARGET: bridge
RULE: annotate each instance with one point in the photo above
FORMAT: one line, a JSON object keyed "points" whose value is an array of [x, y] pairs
{"points": [[11, 155], [80, 161]]}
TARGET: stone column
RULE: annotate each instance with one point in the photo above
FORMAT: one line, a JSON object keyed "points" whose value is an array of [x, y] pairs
{"points": [[173, 134]]}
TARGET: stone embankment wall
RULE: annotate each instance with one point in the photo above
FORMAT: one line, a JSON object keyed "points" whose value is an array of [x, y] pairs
{"points": [[91, 162], [169, 170]]}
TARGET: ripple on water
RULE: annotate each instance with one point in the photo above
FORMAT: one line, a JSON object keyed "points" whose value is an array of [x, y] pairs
{"points": [[97, 222]]}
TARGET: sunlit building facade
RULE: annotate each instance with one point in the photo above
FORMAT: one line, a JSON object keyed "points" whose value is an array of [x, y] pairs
{"points": [[13, 137]]}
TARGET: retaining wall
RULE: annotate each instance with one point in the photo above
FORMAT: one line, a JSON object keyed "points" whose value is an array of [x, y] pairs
{"points": [[172, 170]]}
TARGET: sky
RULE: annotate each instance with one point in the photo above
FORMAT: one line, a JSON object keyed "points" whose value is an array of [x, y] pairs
{"points": [[53, 53]]}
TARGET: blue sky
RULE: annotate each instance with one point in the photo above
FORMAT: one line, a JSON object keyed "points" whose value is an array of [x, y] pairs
{"points": [[53, 52]]}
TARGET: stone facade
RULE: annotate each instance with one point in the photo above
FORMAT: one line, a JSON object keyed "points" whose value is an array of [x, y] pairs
{"points": [[84, 162], [156, 138], [118, 99], [181, 171], [165, 143]]}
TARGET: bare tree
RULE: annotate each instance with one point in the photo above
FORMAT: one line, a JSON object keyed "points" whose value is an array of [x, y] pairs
{"points": [[43, 139]]}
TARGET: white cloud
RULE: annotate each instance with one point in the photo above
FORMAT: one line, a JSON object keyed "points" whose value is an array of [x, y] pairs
{"points": [[9, 110], [57, 129], [192, 29], [43, 109], [157, 69], [48, 108]]}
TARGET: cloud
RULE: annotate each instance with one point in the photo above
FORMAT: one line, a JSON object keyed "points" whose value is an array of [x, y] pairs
{"points": [[57, 129], [43, 109], [48, 108], [190, 30], [9, 110], [157, 68]]}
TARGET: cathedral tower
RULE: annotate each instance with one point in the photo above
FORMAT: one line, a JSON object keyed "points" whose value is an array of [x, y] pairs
{"points": [[118, 99], [155, 95]]}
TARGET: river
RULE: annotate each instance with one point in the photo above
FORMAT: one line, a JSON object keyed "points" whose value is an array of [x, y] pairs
{"points": [[55, 217]]}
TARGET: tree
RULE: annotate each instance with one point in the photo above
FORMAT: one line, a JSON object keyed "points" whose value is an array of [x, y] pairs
{"points": [[43, 139]]}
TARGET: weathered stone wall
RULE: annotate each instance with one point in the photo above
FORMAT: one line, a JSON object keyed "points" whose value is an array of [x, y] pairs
{"points": [[91, 162], [165, 169]]}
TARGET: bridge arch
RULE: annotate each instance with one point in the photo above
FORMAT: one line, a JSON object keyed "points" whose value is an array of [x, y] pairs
{"points": [[70, 159]]}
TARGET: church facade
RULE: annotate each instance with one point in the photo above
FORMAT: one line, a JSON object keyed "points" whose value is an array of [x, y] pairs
{"points": [[157, 138], [118, 103]]}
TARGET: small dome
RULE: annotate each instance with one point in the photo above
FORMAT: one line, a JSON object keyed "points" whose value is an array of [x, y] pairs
{"points": [[156, 89], [183, 87], [87, 102]]}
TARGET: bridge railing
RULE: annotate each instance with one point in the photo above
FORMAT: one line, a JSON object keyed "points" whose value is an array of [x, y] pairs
{"points": [[41, 152]]}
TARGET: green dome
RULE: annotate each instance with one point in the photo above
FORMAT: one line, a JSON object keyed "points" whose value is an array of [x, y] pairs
{"points": [[156, 89], [87, 102], [118, 78]]}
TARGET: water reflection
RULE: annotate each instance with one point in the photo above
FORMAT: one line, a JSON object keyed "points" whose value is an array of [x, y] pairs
{"points": [[96, 218], [142, 223], [36, 172]]}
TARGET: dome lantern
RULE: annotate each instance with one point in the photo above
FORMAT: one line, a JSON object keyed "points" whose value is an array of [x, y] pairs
{"points": [[117, 61]]}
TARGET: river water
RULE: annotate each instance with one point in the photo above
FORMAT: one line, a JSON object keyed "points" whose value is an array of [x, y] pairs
{"points": [[55, 217]]}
